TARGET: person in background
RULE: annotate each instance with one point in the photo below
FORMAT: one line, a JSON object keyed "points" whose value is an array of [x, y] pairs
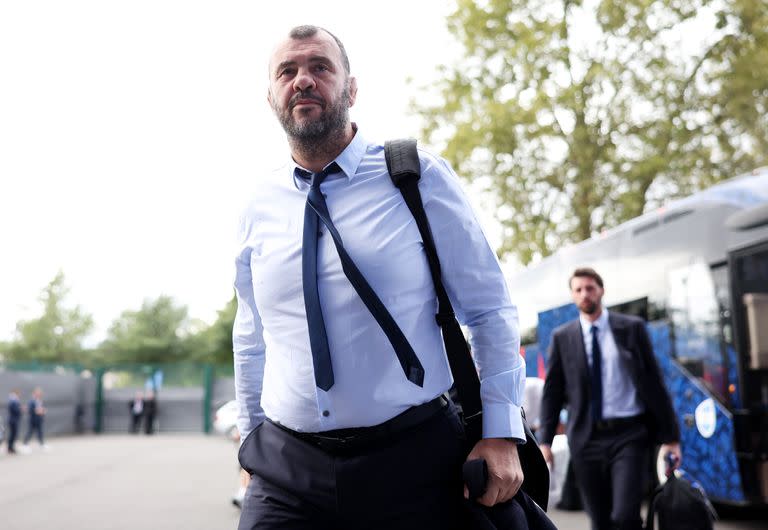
{"points": [[14, 418], [150, 411], [534, 387], [36, 415], [603, 367], [136, 406]]}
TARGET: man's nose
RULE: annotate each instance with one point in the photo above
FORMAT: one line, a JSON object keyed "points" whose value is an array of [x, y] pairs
{"points": [[303, 80]]}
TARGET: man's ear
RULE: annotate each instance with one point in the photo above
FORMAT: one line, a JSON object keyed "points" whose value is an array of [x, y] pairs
{"points": [[352, 90], [269, 97]]}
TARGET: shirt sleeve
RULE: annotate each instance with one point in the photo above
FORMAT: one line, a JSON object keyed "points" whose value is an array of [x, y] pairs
{"points": [[249, 348], [478, 291]]}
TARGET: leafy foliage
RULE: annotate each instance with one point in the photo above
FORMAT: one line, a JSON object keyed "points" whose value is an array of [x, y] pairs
{"points": [[214, 343], [153, 334], [159, 332], [55, 336], [578, 115]]}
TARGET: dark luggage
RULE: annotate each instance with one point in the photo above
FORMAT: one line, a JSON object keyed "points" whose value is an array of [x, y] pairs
{"points": [[680, 504]]}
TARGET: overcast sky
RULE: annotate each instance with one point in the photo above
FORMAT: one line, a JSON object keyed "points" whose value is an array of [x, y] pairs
{"points": [[131, 131]]}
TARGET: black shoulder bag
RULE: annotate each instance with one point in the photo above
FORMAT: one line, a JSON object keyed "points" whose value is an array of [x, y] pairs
{"points": [[403, 164]]}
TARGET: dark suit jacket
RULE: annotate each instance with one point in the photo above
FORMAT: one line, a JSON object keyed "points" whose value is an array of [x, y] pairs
{"points": [[518, 513], [567, 382], [14, 411], [34, 417]]}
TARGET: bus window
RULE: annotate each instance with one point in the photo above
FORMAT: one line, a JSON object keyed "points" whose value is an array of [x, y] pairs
{"points": [[638, 308], [723, 296], [695, 315]]}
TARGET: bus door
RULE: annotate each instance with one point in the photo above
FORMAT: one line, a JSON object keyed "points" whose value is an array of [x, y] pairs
{"points": [[749, 285]]}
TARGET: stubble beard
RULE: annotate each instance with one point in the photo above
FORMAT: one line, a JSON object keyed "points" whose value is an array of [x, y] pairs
{"points": [[589, 307], [316, 136]]}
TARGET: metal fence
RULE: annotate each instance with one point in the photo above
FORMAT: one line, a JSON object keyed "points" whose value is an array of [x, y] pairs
{"points": [[80, 400]]}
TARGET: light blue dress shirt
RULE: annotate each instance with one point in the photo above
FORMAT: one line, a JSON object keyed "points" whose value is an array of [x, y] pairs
{"points": [[270, 332], [619, 393]]}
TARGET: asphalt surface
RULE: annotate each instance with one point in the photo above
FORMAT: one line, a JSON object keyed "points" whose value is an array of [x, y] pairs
{"points": [[123, 482]]}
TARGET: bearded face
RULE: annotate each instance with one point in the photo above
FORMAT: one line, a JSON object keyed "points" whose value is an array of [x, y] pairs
{"points": [[308, 129], [586, 294]]}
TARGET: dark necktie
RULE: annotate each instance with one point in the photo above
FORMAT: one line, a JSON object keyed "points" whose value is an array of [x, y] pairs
{"points": [[315, 208], [596, 378]]}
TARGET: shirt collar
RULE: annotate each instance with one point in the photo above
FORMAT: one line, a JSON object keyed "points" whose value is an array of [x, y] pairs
{"points": [[348, 160], [601, 322]]}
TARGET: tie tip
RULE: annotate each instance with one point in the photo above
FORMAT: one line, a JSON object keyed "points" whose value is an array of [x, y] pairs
{"points": [[416, 376]]}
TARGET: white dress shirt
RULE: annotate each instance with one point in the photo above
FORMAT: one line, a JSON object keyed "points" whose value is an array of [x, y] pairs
{"points": [[619, 392], [273, 359]]}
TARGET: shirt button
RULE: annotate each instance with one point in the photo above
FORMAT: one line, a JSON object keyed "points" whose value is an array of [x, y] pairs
{"points": [[319, 234], [326, 413]]}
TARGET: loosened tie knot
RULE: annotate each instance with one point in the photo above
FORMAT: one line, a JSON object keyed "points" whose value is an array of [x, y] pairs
{"points": [[317, 178]]}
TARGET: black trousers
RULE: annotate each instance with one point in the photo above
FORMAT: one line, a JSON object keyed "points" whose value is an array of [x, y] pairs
{"points": [[412, 482], [135, 423], [13, 430], [35, 426], [611, 472]]}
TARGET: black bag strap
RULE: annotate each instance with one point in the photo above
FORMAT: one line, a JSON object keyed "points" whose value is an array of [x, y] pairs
{"points": [[402, 160]]}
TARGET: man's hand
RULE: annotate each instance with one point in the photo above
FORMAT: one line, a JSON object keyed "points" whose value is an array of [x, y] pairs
{"points": [[505, 475], [546, 451], [674, 450]]}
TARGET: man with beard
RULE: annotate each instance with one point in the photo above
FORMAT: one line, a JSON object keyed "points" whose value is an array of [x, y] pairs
{"points": [[602, 367], [335, 333]]}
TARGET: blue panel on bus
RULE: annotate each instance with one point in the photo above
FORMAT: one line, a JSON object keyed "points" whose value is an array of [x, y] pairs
{"points": [[549, 320], [706, 427], [532, 360]]}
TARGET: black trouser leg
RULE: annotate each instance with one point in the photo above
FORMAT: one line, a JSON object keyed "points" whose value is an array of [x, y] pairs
{"points": [[594, 487], [13, 429], [412, 483], [628, 468], [610, 472]]}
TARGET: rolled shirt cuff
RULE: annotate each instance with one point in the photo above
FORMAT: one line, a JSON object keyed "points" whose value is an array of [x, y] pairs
{"points": [[502, 420]]}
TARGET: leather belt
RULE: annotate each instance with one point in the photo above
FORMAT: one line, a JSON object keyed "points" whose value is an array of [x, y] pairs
{"points": [[612, 424], [358, 438]]}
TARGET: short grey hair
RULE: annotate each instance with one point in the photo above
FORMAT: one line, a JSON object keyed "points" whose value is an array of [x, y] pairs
{"points": [[307, 31]]}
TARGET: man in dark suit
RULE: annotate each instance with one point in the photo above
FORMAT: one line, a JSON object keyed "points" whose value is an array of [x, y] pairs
{"points": [[14, 418], [602, 368], [136, 406], [150, 411], [36, 415]]}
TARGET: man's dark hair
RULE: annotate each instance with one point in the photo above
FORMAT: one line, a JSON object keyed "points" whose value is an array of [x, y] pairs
{"points": [[586, 272], [307, 31]]}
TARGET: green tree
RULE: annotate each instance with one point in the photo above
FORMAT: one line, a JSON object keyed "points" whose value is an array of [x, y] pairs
{"points": [[55, 336], [577, 115], [214, 343], [154, 334]]}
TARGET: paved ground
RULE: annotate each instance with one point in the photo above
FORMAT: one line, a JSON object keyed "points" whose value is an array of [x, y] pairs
{"points": [[116, 482]]}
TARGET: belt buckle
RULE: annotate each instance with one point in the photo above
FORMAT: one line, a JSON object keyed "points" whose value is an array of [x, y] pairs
{"points": [[332, 444]]}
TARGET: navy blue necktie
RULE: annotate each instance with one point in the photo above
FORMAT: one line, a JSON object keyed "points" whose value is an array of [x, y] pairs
{"points": [[315, 208], [596, 377]]}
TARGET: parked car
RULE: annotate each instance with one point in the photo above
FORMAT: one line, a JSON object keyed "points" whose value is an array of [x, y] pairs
{"points": [[225, 420]]}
